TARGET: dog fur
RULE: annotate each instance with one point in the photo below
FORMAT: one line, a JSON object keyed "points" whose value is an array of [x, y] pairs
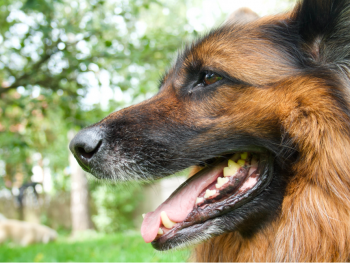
{"points": [[285, 87], [313, 224], [25, 233]]}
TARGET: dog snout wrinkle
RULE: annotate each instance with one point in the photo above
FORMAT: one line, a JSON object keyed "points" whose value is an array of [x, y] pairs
{"points": [[86, 144]]}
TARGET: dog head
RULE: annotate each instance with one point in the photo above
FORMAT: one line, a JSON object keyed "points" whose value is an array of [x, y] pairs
{"points": [[273, 89]]}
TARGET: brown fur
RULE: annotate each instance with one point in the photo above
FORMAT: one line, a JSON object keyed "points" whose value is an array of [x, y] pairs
{"points": [[315, 218], [316, 206], [292, 92]]}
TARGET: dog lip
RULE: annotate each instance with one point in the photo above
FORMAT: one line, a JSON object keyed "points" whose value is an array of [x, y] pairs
{"points": [[191, 188], [188, 228], [88, 165], [84, 165]]}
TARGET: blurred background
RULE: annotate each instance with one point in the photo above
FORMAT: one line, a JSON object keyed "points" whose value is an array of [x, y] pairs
{"points": [[65, 65]]}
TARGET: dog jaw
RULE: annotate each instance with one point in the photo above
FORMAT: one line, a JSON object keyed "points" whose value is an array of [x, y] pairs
{"points": [[187, 214]]}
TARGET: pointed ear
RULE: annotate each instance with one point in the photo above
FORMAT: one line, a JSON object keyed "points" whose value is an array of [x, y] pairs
{"points": [[324, 26], [242, 15]]}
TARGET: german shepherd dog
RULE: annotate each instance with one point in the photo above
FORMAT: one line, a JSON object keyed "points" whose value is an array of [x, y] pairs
{"points": [[262, 109]]}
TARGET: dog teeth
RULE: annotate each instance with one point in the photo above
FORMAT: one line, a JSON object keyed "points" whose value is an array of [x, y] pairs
{"points": [[143, 215], [199, 200], [232, 168], [160, 231], [221, 182], [241, 162], [230, 163], [209, 193], [166, 221], [244, 155]]}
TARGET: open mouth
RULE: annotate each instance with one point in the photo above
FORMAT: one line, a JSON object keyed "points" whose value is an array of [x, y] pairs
{"points": [[217, 189]]}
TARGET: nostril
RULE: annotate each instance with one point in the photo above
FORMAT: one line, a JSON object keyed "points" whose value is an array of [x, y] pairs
{"points": [[88, 151], [81, 151], [86, 144]]}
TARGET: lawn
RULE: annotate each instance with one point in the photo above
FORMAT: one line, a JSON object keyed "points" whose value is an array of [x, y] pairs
{"points": [[119, 247]]}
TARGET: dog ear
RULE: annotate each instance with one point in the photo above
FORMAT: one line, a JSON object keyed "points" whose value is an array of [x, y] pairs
{"points": [[242, 15], [324, 26]]}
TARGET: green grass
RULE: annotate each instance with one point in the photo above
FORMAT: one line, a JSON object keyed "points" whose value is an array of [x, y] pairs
{"points": [[120, 247]]}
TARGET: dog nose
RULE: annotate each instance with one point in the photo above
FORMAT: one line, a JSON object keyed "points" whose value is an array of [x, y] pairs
{"points": [[86, 144]]}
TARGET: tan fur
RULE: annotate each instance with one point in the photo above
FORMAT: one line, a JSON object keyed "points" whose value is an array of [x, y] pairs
{"points": [[25, 233]]}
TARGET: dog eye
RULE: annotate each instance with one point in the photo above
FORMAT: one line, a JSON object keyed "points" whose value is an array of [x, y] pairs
{"points": [[211, 78]]}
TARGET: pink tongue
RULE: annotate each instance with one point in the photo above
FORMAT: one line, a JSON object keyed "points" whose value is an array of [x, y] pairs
{"points": [[181, 204]]}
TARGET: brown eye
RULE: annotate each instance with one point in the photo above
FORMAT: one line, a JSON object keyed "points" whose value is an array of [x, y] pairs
{"points": [[211, 78]]}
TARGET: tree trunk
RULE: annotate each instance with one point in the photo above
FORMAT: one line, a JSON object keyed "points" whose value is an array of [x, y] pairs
{"points": [[80, 211]]}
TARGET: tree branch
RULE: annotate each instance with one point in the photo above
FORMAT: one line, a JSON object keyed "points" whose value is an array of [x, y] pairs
{"points": [[19, 81]]}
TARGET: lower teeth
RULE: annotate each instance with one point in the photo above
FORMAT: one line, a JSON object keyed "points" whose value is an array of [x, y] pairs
{"points": [[209, 193], [221, 182], [166, 221], [237, 162], [199, 200]]}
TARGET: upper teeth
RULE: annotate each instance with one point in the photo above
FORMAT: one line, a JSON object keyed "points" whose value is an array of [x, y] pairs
{"points": [[209, 193], [244, 155], [166, 221], [241, 162]]}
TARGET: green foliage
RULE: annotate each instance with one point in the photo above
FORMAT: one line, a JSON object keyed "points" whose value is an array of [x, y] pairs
{"points": [[115, 206], [53, 54], [120, 247]]}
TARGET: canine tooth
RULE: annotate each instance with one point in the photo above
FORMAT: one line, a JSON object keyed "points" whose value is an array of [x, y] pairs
{"points": [[232, 169], [244, 155], [209, 193], [143, 215], [199, 200], [241, 162], [160, 231], [166, 221], [221, 182]]}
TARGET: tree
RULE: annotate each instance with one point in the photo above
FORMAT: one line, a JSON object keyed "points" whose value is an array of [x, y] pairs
{"points": [[80, 212], [54, 54]]}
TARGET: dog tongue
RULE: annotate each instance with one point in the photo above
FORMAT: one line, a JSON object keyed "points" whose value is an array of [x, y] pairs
{"points": [[180, 203]]}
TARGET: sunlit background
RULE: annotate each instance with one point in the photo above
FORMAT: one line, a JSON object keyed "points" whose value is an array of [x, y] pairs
{"points": [[63, 66]]}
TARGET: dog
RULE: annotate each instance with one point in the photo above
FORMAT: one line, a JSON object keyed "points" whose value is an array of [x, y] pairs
{"points": [[262, 109], [25, 233]]}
